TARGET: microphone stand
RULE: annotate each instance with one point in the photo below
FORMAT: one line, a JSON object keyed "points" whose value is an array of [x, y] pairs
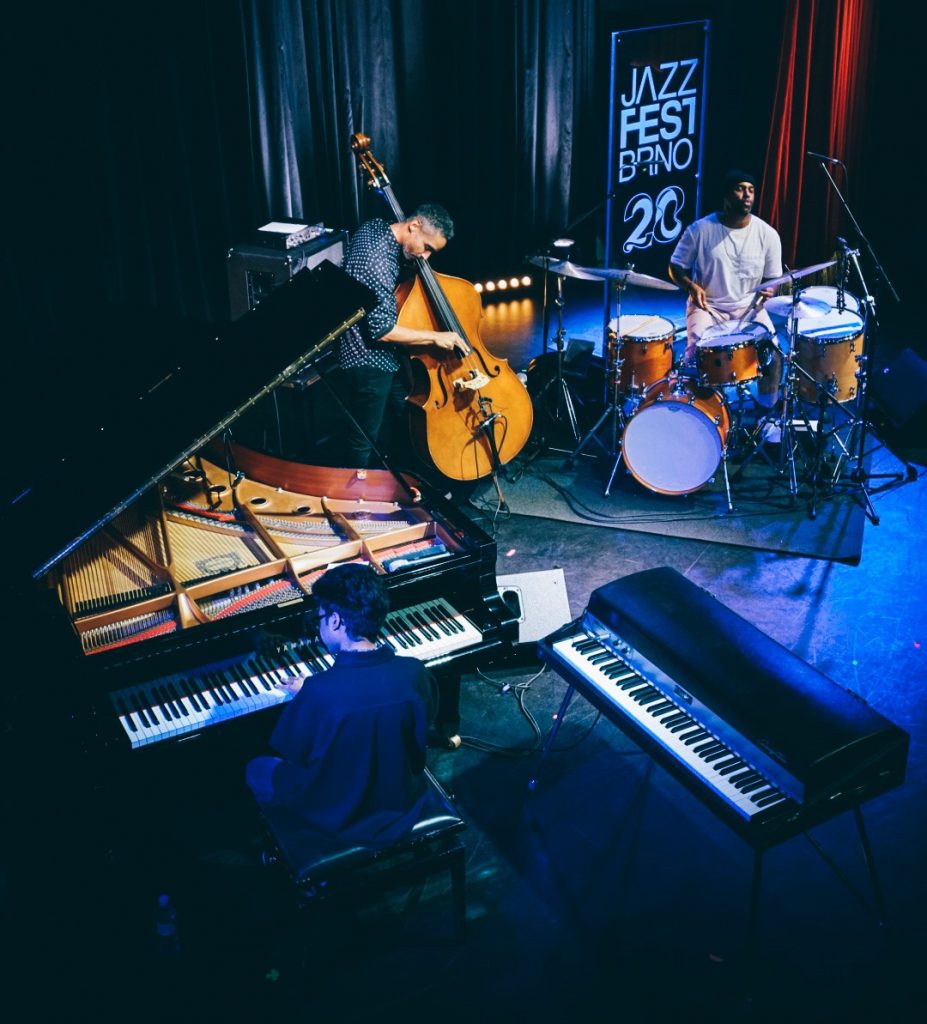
{"points": [[860, 476]]}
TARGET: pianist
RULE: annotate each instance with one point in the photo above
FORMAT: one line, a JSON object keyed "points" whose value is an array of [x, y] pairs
{"points": [[352, 741]]}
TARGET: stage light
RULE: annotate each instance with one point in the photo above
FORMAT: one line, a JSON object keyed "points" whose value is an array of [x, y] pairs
{"points": [[526, 281], [513, 282], [490, 286], [502, 284], [478, 286]]}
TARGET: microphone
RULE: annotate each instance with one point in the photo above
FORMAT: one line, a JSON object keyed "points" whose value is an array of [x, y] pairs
{"points": [[823, 156]]}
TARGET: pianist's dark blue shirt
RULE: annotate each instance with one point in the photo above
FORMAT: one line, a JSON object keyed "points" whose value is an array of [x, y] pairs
{"points": [[353, 747]]}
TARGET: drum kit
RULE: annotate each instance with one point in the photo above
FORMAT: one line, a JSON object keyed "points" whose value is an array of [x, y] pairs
{"points": [[673, 425]]}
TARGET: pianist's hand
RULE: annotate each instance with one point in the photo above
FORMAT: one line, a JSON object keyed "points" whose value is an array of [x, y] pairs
{"points": [[292, 684]]}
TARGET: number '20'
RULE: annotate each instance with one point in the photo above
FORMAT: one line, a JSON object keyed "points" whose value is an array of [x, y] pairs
{"points": [[656, 220]]}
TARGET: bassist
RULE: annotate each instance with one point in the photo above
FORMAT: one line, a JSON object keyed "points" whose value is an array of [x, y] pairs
{"points": [[370, 363]]}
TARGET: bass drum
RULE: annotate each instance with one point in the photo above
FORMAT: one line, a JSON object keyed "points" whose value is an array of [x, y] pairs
{"points": [[673, 442]]}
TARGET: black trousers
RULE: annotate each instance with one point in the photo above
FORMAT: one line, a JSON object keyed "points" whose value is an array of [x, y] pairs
{"points": [[376, 400]]}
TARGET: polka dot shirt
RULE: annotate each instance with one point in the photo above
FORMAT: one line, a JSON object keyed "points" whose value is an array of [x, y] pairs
{"points": [[373, 258]]}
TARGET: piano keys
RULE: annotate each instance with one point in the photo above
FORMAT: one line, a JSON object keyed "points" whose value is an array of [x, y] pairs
{"points": [[767, 742], [182, 704]]}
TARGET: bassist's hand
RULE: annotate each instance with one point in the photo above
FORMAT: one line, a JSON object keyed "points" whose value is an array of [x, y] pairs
{"points": [[449, 341]]}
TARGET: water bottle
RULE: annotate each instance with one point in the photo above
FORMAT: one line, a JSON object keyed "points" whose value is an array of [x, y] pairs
{"points": [[166, 927]]}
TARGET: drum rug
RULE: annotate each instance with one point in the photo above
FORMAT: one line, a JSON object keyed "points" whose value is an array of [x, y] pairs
{"points": [[765, 515]]}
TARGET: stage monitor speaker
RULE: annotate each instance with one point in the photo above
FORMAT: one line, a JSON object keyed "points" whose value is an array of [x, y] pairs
{"points": [[539, 599], [900, 392], [255, 270]]}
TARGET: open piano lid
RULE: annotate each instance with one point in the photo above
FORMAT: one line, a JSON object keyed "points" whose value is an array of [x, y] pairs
{"points": [[95, 465]]}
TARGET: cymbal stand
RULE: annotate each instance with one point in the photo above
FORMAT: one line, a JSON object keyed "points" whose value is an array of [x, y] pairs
{"points": [[564, 407], [860, 476], [785, 465], [613, 411]]}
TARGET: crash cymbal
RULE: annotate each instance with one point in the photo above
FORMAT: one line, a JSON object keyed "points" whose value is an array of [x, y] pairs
{"points": [[782, 305], [567, 269], [795, 275]]}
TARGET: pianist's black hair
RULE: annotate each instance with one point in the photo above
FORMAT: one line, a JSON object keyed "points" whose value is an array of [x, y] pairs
{"points": [[357, 594]]}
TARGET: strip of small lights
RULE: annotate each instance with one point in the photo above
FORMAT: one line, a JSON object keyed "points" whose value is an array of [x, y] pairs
{"points": [[503, 284]]}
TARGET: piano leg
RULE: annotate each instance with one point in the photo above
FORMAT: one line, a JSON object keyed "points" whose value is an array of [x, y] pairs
{"points": [[446, 729], [876, 906]]}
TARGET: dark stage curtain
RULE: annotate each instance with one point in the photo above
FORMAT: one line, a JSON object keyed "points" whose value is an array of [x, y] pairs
{"points": [[480, 107], [821, 104]]}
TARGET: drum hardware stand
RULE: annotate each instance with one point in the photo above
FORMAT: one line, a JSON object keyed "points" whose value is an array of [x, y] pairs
{"points": [[613, 411], [860, 476]]}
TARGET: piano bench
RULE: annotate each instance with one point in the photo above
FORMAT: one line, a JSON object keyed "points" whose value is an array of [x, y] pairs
{"points": [[323, 871]]}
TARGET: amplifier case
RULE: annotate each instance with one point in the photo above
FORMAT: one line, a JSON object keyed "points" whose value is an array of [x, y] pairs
{"points": [[255, 270]]}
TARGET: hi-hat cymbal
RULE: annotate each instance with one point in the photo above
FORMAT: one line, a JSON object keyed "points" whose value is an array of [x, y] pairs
{"points": [[795, 275], [564, 268], [633, 277], [782, 305]]}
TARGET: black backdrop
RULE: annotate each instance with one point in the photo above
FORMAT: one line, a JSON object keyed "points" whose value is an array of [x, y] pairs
{"points": [[144, 140]]}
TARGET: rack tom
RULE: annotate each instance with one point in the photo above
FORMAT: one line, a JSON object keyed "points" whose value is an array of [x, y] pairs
{"points": [[731, 353]]}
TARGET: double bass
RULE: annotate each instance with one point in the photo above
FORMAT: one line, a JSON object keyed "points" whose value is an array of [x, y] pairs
{"points": [[470, 412]]}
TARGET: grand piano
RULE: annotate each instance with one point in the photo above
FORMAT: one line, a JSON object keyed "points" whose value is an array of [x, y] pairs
{"points": [[175, 565]]}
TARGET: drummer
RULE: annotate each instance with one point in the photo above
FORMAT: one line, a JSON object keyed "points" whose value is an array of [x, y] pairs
{"points": [[720, 261]]}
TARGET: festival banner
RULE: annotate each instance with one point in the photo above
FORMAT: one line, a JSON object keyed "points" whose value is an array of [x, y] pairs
{"points": [[657, 112]]}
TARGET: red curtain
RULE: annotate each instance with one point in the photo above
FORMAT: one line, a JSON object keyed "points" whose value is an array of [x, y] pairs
{"points": [[820, 104]]}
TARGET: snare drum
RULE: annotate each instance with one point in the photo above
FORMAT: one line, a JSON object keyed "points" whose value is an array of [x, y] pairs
{"points": [[829, 348], [728, 354], [673, 442], [644, 345]]}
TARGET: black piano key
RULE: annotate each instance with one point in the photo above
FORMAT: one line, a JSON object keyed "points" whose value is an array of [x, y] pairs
{"points": [[585, 644], [196, 698], [750, 787], [178, 701], [709, 747], [694, 737], [648, 698], [664, 705], [252, 670], [450, 622], [680, 726], [722, 751], [765, 801], [428, 625], [729, 769], [125, 713], [768, 790], [732, 759], [666, 713], [742, 779], [422, 625], [680, 716], [619, 673]]}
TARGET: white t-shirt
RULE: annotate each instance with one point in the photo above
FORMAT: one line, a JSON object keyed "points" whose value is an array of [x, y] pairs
{"points": [[729, 263]]}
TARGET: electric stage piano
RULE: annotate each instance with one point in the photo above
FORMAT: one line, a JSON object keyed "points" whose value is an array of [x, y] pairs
{"points": [[770, 744], [168, 555]]}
